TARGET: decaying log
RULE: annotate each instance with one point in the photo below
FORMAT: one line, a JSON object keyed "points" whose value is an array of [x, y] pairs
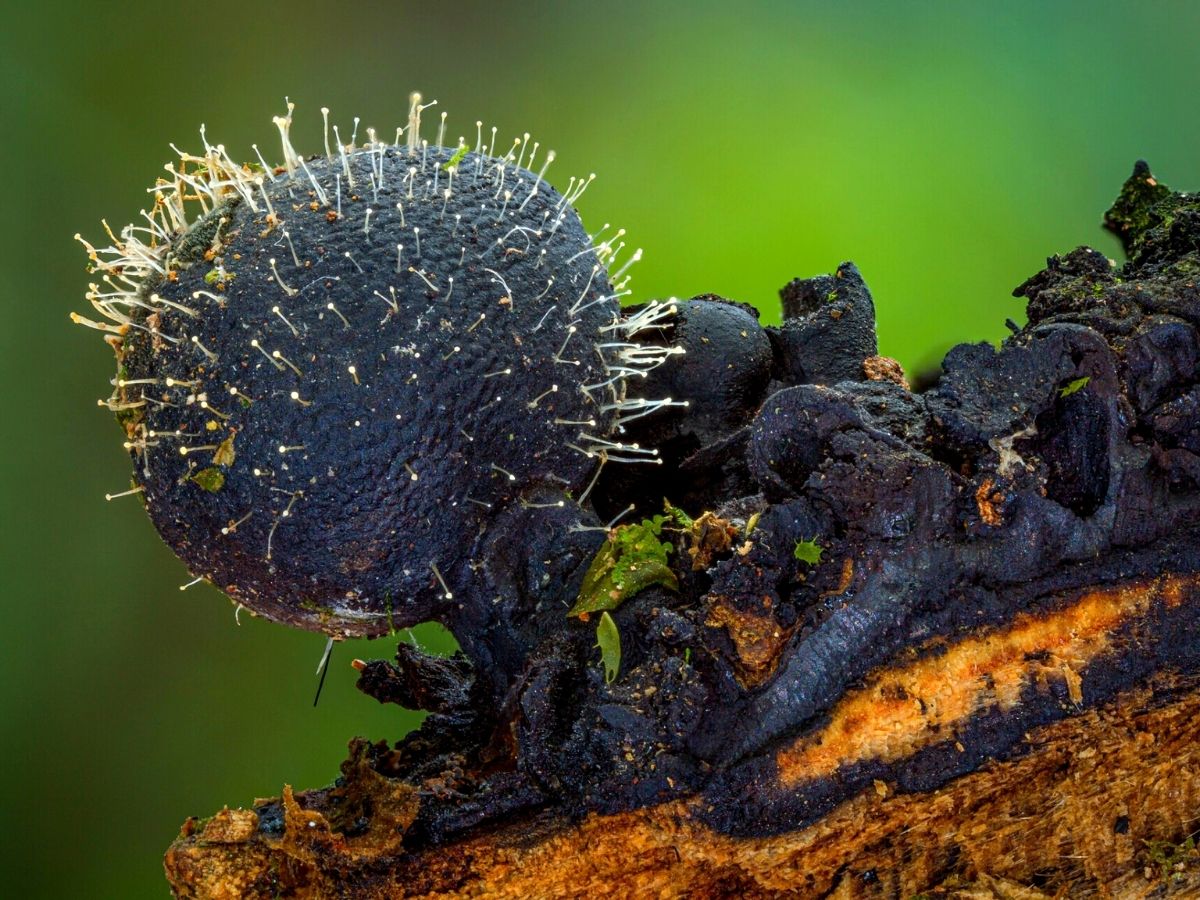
{"points": [[1074, 814], [884, 643]]}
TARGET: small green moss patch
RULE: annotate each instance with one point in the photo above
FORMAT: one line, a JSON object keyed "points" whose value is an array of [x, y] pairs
{"points": [[631, 560], [211, 479]]}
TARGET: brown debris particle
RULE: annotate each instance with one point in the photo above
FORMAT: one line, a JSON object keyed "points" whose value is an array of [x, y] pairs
{"points": [[757, 640], [153, 320], [884, 368], [230, 826], [1074, 682], [988, 501], [224, 455], [711, 536]]}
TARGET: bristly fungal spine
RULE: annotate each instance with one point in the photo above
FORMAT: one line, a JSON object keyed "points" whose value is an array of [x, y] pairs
{"points": [[499, 361]]}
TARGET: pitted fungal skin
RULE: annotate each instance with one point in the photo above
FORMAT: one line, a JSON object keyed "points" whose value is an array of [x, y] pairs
{"points": [[341, 375], [391, 469]]}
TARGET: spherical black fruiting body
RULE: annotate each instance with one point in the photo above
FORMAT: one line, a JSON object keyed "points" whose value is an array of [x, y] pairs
{"points": [[338, 376]]}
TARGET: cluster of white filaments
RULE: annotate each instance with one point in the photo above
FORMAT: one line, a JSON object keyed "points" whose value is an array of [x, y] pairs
{"points": [[143, 254]]}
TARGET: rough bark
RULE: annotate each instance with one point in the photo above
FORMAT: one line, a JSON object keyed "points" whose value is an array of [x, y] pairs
{"points": [[1076, 815]]}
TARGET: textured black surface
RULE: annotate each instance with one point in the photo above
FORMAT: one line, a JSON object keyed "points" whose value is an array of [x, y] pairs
{"points": [[723, 376], [455, 411], [828, 328], [1061, 462]]}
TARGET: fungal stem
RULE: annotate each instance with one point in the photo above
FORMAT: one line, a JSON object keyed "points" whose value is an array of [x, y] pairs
{"points": [[232, 527], [532, 404], [622, 514], [317, 189], [295, 258], [268, 169], [287, 362], [498, 278], [345, 160], [415, 108], [526, 504], [446, 593], [433, 287], [212, 357], [284, 123], [395, 307], [650, 315], [591, 484], [257, 346], [337, 312], [558, 356], [283, 515], [186, 310], [128, 493], [496, 468], [284, 319], [637, 255], [290, 291], [587, 287]]}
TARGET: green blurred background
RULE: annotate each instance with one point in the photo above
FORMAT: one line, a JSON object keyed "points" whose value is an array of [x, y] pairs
{"points": [[947, 148]]}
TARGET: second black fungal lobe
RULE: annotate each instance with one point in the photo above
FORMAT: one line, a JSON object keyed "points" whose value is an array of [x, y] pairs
{"points": [[1061, 464], [429, 359]]}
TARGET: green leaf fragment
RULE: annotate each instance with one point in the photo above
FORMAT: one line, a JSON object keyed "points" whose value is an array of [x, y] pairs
{"points": [[631, 560], [608, 639], [211, 479], [1074, 386], [808, 551], [456, 158], [681, 518]]}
